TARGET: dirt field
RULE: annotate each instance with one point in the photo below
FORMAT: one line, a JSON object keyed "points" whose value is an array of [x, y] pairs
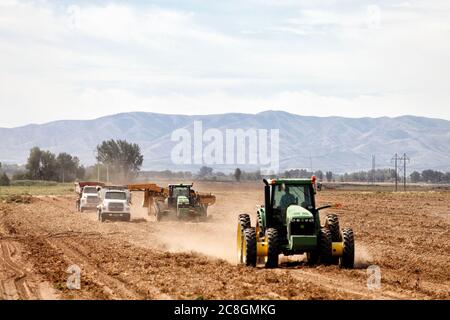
{"points": [[406, 234]]}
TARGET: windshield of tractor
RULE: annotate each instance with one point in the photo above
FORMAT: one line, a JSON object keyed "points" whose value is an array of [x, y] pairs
{"points": [[180, 191], [89, 190], [286, 195], [116, 195]]}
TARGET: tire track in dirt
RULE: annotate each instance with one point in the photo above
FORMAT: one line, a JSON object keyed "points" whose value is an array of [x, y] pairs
{"points": [[77, 254], [116, 288], [13, 287], [19, 285], [342, 283]]}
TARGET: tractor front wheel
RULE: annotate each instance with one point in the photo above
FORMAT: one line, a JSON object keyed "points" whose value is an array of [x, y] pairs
{"points": [[325, 246], [347, 260], [332, 223], [249, 252], [312, 258], [273, 249]]}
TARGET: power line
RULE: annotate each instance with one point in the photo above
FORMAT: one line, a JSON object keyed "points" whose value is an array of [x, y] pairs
{"points": [[395, 159], [404, 159]]}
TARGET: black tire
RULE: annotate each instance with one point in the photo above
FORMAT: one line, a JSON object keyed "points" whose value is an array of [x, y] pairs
{"points": [[273, 248], [250, 247], [332, 223], [347, 260], [127, 218], [312, 258], [262, 231], [244, 221], [325, 246]]}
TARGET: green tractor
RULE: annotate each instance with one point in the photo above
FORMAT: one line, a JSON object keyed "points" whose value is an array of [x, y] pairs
{"points": [[185, 203], [288, 223]]}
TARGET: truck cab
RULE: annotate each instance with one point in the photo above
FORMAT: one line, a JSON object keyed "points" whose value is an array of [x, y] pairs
{"points": [[89, 199], [115, 205]]}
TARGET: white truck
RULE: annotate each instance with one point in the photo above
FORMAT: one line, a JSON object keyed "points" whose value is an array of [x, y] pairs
{"points": [[87, 195], [115, 204]]}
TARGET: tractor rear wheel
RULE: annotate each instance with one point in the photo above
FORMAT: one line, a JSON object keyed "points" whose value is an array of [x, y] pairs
{"points": [[249, 252], [325, 246], [243, 223], [347, 260], [273, 248], [332, 223]]}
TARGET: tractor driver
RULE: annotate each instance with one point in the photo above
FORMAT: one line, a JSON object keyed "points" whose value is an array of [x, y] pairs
{"points": [[287, 199]]}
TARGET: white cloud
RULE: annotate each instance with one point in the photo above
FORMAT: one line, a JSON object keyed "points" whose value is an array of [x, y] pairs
{"points": [[87, 60]]}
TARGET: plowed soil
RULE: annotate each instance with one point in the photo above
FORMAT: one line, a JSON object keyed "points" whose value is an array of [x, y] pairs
{"points": [[407, 235]]}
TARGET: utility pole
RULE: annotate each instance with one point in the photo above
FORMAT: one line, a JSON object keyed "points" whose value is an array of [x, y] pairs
{"points": [[373, 169], [404, 159], [98, 164], [395, 158]]}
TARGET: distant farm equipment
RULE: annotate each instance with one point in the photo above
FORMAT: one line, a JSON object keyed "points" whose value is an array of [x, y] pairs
{"points": [[87, 195], [177, 200]]}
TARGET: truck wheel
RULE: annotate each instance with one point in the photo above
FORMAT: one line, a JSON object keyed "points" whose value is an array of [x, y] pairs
{"points": [[127, 218], [347, 260], [273, 249], [325, 246], [249, 251]]}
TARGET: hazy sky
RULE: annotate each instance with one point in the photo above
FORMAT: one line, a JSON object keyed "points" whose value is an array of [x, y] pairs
{"points": [[84, 59]]}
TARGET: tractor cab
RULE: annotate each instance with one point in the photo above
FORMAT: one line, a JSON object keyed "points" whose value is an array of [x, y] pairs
{"points": [[290, 208], [180, 192]]}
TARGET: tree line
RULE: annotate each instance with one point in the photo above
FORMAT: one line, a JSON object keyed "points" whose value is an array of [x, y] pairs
{"points": [[122, 159]]}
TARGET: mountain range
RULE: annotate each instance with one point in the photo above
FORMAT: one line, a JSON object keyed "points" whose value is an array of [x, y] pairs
{"points": [[327, 143]]}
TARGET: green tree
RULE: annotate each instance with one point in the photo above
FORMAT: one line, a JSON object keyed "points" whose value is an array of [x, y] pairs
{"points": [[415, 176], [319, 174], [125, 159], [4, 180], [237, 174], [205, 171], [68, 167], [329, 176], [34, 164], [49, 166]]}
